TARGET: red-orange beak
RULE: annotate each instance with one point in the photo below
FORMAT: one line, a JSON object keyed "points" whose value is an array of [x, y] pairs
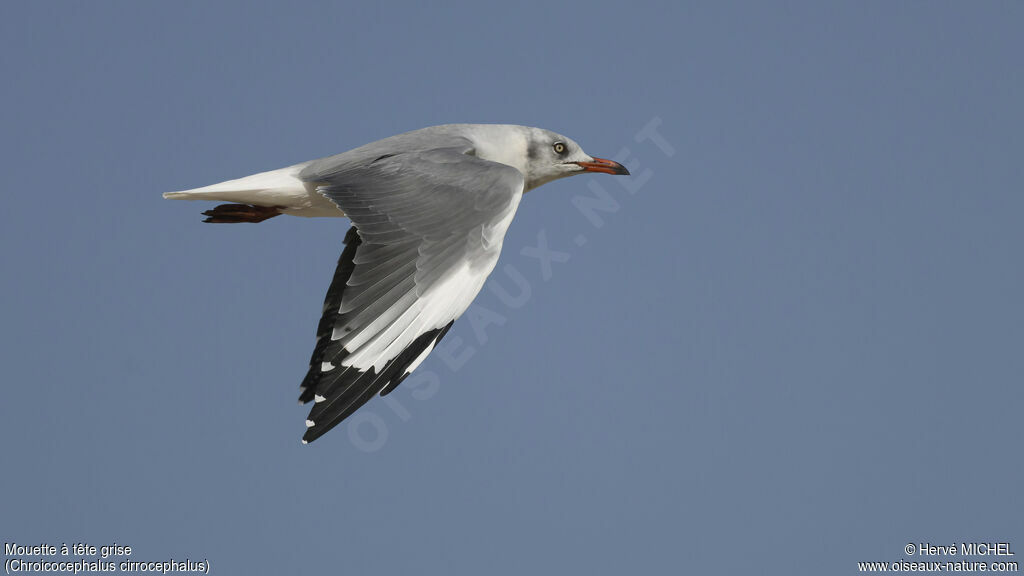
{"points": [[604, 166]]}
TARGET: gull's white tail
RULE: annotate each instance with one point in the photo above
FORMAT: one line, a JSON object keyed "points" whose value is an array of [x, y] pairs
{"points": [[263, 189], [280, 189]]}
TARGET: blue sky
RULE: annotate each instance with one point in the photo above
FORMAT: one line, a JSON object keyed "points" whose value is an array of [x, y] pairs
{"points": [[790, 342]]}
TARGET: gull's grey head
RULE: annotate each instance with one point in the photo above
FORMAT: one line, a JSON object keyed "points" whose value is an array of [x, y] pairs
{"points": [[541, 155]]}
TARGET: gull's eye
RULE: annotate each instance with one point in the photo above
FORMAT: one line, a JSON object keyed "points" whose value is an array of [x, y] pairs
{"points": [[559, 148]]}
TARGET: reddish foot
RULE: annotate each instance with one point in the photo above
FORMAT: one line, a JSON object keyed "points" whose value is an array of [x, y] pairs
{"points": [[234, 213]]}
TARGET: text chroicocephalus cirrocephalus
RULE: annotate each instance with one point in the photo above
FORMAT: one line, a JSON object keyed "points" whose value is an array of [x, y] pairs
{"points": [[429, 212]]}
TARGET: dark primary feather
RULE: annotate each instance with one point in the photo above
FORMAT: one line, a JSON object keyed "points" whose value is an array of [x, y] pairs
{"points": [[332, 302]]}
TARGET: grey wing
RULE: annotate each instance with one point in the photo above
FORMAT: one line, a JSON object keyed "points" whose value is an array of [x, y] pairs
{"points": [[428, 231]]}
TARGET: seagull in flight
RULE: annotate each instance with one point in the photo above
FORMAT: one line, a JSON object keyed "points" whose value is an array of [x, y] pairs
{"points": [[429, 211]]}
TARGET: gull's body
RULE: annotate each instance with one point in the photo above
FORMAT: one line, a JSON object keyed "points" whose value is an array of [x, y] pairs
{"points": [[429, 210]]}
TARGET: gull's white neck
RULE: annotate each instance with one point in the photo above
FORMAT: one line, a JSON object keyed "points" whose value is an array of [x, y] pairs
{"points": [[505, 144]]}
